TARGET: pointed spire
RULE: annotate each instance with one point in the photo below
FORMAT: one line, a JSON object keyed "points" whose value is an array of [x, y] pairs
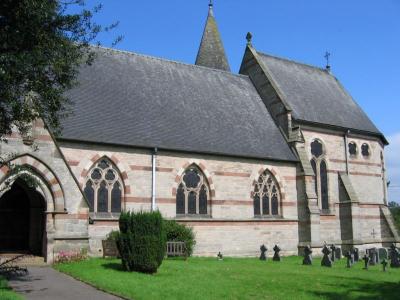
{"points": [[211, 52]]}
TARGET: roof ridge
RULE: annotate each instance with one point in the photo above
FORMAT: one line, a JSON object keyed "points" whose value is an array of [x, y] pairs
{"points": [[296, 62], [170, 60]]}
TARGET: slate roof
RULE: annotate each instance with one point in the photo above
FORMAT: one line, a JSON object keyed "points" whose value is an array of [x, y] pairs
{"points": [[316, 96], [135, 100], [211, 51]]}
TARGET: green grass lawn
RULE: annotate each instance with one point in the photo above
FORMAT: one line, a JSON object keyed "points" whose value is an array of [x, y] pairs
{"points": [[5, 292], [240, 278]]}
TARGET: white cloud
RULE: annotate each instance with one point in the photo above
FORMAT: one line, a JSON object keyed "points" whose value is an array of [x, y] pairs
{"points": [[392, 157]]}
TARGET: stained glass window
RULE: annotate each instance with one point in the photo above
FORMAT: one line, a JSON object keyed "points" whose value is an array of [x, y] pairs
{"points": [[89, 192], [193, 193], [319, 167], [104, 189], [324, 185], [266, 195]]}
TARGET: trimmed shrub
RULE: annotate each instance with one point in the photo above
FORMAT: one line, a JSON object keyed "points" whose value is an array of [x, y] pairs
{"points": [[141, 242], [176, 232]]}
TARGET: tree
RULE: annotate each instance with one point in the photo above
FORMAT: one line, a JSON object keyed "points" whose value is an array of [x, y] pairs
{"points": [[42, 46]]}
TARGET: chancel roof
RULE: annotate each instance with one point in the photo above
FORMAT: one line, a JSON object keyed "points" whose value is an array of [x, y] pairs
{"points": [[315, 95], [134, 100]]}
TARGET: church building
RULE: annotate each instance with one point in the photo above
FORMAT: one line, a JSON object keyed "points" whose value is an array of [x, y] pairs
{"points": [[277, 154]]}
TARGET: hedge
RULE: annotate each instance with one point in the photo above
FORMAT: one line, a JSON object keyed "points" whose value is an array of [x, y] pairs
{"points": [[180, 233]]}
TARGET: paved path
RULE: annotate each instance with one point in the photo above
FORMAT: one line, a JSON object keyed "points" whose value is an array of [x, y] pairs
{"points": [[46, 283]]}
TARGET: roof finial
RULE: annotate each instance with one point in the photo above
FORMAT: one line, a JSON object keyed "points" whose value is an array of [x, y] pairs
{"points": [[327, 55], [211, 3], [249, 36]]}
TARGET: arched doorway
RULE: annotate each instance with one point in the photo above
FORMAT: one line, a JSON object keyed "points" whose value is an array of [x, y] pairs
{"points": [[22, 220]]}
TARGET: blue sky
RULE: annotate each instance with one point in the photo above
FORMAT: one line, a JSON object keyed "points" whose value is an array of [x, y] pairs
{"points": [[363, 37]]}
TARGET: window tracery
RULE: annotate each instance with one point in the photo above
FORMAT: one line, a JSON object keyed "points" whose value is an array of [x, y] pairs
{"points": [[266, 196], [104, 188], [193, 193]]}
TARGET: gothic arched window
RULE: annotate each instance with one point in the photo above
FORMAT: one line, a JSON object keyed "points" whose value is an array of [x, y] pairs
{"points": [[103, 188], [318, 164], [266, 196], [192, 195]]}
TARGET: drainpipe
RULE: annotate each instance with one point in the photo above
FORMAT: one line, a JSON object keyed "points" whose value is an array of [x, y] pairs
{"points": [[346, 150], [153, 181]]}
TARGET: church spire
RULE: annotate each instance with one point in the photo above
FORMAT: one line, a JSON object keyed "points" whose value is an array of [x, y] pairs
{"points": [[211, 52]]}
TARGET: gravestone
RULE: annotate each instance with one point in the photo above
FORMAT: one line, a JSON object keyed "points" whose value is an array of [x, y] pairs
{"points": [[263, 250], [338, 253], [307, 256], [383, 254], [384, 264], [110, 248], [394, 257], [373, 256], [366, 261], [326, 261], [350, 259], [276, 257], [356, 254], [333, 249]]}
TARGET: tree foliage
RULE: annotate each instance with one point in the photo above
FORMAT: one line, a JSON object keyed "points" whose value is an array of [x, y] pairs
{"points": [[42, 45]]}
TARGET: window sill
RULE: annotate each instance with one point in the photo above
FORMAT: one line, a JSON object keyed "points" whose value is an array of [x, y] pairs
{"points": [[104, 216], [183, 217], [268, 217], [326, 212]]}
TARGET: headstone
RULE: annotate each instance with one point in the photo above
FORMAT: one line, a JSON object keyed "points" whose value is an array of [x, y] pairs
{"points": [[350, 259], [373, 259], [366, 261], [333, 249], [220, 256], [307, 256], [263, 250], [394, 257], [326, 261], [383, 254], [338, 253], [356, 254], [384, 264], [276, 257]]}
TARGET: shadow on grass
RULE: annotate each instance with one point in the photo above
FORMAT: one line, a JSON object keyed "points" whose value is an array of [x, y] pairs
{"points": [[365, 291], [113, 266]]}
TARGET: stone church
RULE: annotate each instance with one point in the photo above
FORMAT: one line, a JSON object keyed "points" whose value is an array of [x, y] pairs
{"points": [[277, 154]]}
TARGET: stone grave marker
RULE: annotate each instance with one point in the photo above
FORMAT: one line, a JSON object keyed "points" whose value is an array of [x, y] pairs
{"points": [[372, 253], [307, 256], [333, 249], [276, 257], [338, 253], [350, 259], [263, 250], [383, 254], [356, 254], [384, 264], [326, 261], [366, 261], [394, 257]]}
